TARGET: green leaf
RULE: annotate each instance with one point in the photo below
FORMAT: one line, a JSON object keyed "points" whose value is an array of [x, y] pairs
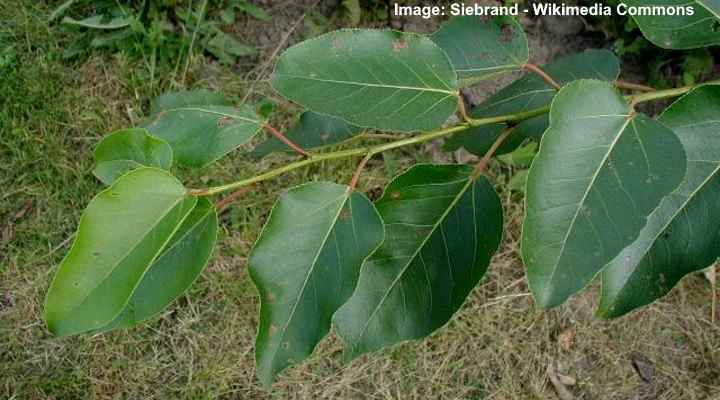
{"points": [[121, 232], [528, 93], [226, 48], [305, 265], [371, 78], [682, 235], [679, 31], [480, 48], [175, 269], [442, 228], [311, 131], [517, 182], [97, 22], [60, 10], [600, 172], [200, 126], [128, 149], [520, 157]]}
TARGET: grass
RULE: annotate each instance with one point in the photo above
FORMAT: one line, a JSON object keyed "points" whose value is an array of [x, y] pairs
{"points": [[53, 111]]}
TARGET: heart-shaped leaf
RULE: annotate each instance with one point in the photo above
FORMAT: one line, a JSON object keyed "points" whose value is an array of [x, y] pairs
{"points": [[128, 149], [311, 131], [442, 228], [679, 31], [305, 265], [200, 126], [682, 236], [601, 170], [371, 78], [175, 269], [480, 48], [528, 93], [121, 232]]}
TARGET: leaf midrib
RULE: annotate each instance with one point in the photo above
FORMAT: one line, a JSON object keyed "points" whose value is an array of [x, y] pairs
{"points": [[131, 249], [346, 196], [411, 258], [422, 89], [669, 221], [611, 148]]}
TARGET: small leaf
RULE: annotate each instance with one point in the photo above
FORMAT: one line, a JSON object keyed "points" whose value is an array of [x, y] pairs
{"points": [[97, 22], [371, 78], [226, 48], [305, 265], [528, 93], [679, 31], [175, 269], [311, 131], [442, 228], [480, 48], [682, 236], [520, 157], [128, 149], [354, 12], [601, 171], [121, 232], [200, 126]]}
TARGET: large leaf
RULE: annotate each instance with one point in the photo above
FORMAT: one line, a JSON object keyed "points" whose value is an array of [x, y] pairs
{"points": [[482, 47], [311, 131], [200, 126], [442, 228], [121, 232], [128, 149], [175, 269], [600, 172], [371, 78], [305, 265], [528, 93], [680, 31], [682, 236]]}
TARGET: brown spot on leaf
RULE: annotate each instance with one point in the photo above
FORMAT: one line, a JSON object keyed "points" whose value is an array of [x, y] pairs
{"points": [[399, 44], [224, 121], [395, 195], [345, 214], [506, 33]]}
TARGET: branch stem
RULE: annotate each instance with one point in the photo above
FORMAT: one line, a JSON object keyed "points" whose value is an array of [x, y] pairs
{"points": [[539, 72], [420, 138], [285, 140], [481, 166], [634, 86]]}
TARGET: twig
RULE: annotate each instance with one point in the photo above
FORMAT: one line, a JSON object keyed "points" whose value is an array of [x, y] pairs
{"points": [[222, 204], [634, 86], [285, 140], [358, 171], [485, 160], [425, 137], [462, 110], [539, 72]]}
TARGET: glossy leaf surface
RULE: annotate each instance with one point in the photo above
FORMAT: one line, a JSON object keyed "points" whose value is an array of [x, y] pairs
{"points": [[311, 131], [600, 171], [175, 269], [528, 93], [121, 232], [442, 228], [682, 236], [371, 78], [482, 47], [679, 31], [200, 126], [128, 149], [305, 265]]}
